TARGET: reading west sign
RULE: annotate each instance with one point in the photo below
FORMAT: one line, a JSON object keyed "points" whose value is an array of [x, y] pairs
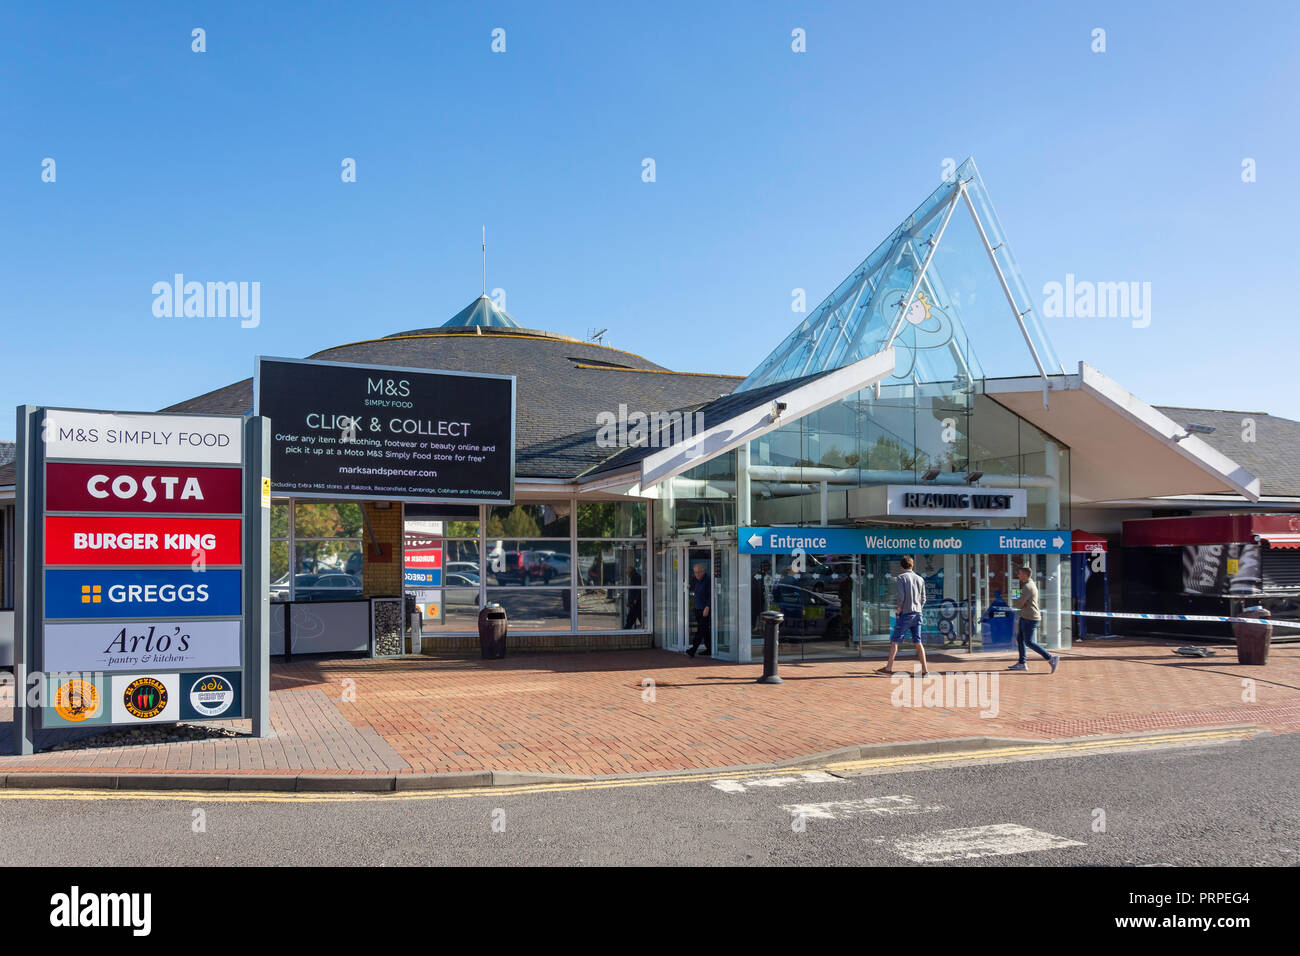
{"points": [[369, 431]]}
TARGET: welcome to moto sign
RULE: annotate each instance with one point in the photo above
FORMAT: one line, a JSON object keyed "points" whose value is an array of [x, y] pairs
{"points": [[142, 572]]}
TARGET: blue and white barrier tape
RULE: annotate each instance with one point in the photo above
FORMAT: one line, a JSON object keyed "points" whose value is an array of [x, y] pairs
{"points": [[1181, 617]]}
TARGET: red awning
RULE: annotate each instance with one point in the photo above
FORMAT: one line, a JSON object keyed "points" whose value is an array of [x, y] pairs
{"points": [[1086, 542], [1281, 540]]}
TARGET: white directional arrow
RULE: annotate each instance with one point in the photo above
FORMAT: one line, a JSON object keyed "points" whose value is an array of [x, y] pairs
{"points": [[1058, 541], [755, 540]]}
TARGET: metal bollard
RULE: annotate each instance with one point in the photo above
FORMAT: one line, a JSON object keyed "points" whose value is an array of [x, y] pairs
{"points": [[771, 639]]}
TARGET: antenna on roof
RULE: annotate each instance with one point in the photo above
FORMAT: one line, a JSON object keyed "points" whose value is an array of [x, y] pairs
{"points": [[485, 260], [595, 335]]}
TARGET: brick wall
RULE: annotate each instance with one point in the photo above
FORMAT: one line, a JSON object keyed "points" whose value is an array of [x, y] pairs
{"points": [[382, 578], [526, 641]]}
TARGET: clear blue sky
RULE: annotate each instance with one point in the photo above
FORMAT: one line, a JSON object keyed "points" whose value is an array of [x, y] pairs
{"points": [[775, 170]]}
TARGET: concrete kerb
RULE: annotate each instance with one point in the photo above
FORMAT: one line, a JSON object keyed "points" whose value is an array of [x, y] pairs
{"points": [[488, 779]]}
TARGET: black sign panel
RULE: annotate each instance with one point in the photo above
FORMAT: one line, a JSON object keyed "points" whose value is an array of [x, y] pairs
{"points": [[370, 431]]}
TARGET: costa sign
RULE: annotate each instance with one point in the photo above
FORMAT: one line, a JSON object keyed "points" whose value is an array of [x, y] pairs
{"points": [[142, 488], [139, 541]]}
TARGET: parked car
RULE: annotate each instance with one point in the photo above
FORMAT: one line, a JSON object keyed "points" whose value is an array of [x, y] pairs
{"points": [[460, 597], [333, 586], [808, 614], [548, 565], [508, 567], [302, 584], [461, 567], [824, 577]]}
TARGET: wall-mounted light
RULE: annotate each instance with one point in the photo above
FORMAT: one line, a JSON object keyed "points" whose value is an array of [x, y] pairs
{"points": [[974, 476], [1194, 429], [930, 475], [777, 409]]}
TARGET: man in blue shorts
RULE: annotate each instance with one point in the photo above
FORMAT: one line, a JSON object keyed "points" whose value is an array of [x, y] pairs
{"points": [[911, 599]]}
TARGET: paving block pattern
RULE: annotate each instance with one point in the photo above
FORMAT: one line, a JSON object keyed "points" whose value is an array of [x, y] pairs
{"points": [[639, 711]]}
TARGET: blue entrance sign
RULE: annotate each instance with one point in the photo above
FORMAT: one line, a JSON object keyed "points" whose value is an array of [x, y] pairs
{"points": [[902, 541]]}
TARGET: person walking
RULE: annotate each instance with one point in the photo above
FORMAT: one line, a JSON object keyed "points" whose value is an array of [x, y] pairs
{"points": [[911, 601], [701, 599], [633, 618], [1027, 605]]}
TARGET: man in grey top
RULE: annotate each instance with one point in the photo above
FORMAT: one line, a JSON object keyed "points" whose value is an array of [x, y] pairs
{"points": [[911, 599], [1027, 605]]}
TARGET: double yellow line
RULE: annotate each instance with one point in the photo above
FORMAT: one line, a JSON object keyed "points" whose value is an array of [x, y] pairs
{"points": [[1113, 744]]}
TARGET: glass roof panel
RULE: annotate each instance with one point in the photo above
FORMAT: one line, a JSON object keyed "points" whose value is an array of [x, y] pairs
{"points": [[957, 304]]}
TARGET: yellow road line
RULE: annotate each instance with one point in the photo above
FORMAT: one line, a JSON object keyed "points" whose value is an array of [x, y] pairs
{"points": [[911, 760]]}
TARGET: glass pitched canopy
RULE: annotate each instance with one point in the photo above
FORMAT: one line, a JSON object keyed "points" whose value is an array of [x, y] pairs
{"points": [[942, 281], [482, 312]]}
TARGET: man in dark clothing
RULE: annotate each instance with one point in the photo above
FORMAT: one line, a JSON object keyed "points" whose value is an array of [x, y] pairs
{"points": [[633, 601], [701, 599]]}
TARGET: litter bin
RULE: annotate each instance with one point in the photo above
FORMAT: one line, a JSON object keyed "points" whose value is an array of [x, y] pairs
{"points": [[492, 631], [1253, 639]]}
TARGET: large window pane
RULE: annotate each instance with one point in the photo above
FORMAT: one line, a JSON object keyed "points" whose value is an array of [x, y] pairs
{"points": [[524, 563], [279, 519], [611, 563], [447, 609], [328, 520], [534, 609], [612, 609], [611, 519], [461, 557], [327, 570], [279, 571], [530, 521]]}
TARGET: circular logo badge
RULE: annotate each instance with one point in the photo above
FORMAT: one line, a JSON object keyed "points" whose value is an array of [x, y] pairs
{"points": [[144, 697], [211, 695], [76, 700]]}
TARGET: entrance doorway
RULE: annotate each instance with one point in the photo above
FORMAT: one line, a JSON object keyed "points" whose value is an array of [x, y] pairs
{"points": [[683, 623], [700, 590]]}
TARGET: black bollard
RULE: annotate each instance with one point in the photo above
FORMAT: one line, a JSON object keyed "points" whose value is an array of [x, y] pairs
{"points": [[771, 638]]}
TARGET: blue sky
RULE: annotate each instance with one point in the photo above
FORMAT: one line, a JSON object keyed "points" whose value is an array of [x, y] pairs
{"points": [[774, 170]]}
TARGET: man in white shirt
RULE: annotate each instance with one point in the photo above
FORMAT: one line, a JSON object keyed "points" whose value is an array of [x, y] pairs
{"points": [[1030, 615], [911, 600]]}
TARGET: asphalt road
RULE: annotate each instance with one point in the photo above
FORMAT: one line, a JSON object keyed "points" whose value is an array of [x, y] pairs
{"points": [[1226, 804]]}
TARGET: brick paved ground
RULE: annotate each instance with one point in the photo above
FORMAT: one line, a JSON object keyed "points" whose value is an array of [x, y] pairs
{"points": [[585, 713]]}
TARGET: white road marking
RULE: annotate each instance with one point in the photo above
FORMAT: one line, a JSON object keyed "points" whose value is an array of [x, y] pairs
{"points": [[876, 806], [741, 786], [1000, 839]]}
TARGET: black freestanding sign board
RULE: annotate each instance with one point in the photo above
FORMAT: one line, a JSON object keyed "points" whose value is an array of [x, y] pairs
{"points": [[370, 431]]}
